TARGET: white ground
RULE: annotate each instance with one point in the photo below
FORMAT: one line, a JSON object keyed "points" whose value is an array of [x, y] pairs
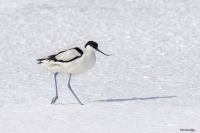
{"points": [[150, 85]]}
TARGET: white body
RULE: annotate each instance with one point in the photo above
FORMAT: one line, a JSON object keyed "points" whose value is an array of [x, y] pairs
{"points": [[77, 66]]}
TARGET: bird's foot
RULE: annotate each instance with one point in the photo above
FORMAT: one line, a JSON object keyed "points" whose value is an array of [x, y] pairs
{"points": [[81, 103], [54, 100]]}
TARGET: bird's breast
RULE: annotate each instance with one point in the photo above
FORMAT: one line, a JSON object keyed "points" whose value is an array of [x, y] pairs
{"points": [[83, 64], [90, 60]]}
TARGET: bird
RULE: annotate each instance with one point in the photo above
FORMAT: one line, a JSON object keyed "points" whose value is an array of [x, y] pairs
{"points": [[71, 62]]}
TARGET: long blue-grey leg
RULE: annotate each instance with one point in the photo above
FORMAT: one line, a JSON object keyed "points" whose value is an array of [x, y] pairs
{"points": [[73, 91], [56, 97]]}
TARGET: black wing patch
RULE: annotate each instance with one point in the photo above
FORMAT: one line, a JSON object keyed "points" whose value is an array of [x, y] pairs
{"points": [[53, 57]]}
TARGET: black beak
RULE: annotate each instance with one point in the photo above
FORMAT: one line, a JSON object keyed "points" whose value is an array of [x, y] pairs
{"points": [[103, 52]]}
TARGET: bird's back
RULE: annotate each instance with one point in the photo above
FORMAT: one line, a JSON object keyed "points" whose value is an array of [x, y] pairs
{"points": [[72, 61]]}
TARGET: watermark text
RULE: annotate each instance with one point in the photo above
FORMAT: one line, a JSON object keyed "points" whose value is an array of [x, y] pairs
{"points": [[191, 130]]}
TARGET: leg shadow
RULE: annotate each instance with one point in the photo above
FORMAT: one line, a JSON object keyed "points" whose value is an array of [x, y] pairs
{"points": [[132, 99]]}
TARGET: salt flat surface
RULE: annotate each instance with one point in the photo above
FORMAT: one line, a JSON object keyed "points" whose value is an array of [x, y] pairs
{"points": [[150, 84]]}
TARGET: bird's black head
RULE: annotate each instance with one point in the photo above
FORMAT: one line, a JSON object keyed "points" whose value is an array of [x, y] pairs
{"points": [[92, 44], [95, 46]]}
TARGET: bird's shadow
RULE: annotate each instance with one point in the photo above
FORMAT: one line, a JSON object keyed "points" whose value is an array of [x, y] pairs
{"points": [[133, 99]]}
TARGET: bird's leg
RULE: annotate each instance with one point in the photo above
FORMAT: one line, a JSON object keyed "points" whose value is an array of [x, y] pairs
{"points": [[56, 97], [72, 90]]}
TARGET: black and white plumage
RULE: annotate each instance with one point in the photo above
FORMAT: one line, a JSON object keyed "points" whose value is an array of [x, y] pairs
{"points": [[72, 61], [64, 56]]}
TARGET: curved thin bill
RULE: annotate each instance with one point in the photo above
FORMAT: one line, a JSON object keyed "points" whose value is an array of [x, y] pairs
{"points": [[103, 52]]}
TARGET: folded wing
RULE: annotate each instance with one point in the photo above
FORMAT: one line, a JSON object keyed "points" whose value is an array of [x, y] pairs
{"points": [[64, 56]]}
